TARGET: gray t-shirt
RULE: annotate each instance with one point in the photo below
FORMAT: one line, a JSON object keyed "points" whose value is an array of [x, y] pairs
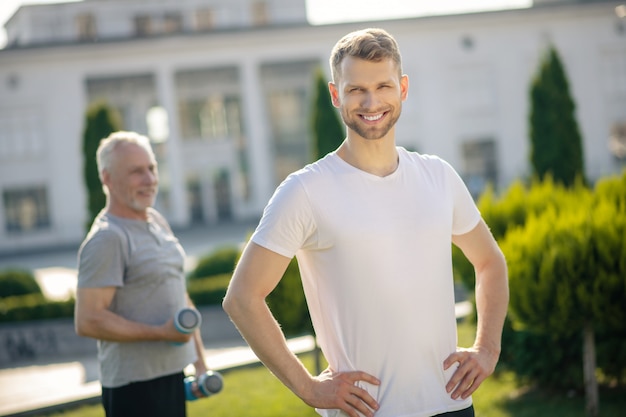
{"points": [[144, 260]]}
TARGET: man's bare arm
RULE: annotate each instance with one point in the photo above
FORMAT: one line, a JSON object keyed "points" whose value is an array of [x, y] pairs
{"points": [[257, 274], [492, 297], [93, 318]]}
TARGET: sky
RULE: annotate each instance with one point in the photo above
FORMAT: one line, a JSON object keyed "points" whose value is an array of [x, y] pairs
{"points": [[334, 11]]}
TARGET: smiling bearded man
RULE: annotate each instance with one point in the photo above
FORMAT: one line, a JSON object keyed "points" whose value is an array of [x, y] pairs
{"points": [[372, 226]]}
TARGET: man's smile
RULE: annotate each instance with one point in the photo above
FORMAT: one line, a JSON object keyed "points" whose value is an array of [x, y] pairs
{"points": [[373, 118]]}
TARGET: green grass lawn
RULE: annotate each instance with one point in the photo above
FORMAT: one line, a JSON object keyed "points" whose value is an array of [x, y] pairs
{"points": [[253, 391]]}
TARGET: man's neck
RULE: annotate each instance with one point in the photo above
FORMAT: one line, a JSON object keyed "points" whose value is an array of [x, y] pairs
{"points": [[378, 157], [127, 213]]}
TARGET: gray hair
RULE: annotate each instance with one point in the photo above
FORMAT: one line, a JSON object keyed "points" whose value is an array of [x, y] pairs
{"points": [[104, 154]]}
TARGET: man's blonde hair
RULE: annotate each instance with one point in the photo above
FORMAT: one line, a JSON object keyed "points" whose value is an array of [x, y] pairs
{"points": [[370, 44]]}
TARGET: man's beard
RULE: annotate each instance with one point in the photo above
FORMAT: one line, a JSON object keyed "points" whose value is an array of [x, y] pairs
{"points": [[371, 132], [140, 204]]}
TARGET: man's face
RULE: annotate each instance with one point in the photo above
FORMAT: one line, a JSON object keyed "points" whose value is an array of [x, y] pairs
{"points": [[132, 180], [369, 96]]}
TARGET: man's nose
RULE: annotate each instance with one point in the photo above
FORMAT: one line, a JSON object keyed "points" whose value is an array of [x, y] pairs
{"points": [[370, 100], [151, 177]]}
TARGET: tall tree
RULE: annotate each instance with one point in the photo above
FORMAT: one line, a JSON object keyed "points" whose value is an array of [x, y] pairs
{"points": [[100, 121], [328, 130], [556, 144]]}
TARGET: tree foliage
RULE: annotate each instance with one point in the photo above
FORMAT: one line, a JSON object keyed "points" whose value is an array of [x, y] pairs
{"points": [[556, 144], [567, 273], [566, 252], [328, 130], [513, 208], [100, 121]]}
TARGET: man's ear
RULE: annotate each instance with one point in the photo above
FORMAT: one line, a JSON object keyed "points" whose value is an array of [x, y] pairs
{"points": [[105, 178], [334, 94], [404, 86]]}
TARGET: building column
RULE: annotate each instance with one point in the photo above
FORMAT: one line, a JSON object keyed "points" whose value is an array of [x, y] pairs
{"points": [[174, 176], [257, 131]]}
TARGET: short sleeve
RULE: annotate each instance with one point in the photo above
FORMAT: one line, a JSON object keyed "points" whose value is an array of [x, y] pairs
{"points": [[287, 222], [101, 260], [465, 214]]}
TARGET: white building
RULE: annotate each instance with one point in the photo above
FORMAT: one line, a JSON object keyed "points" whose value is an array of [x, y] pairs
{"points": [[234, 80]]}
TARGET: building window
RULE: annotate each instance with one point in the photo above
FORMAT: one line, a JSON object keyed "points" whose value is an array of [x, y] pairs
{"points": [[204, 19], [86, 27], [617, 141], [260, 15], [480, 165], [194, 199], [215, 117], [143, 25], [209, 104], [20, 134], [26, 209], [172, 23], [210, 110]]}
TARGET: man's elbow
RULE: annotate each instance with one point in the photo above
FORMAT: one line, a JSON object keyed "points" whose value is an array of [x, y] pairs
{"points": [[80, 328], [232, 304], [83, 327], [229, 304], [235, 304]]}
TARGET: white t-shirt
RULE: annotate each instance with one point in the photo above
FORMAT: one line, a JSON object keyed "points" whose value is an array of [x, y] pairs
{"points": [[375, 259]]}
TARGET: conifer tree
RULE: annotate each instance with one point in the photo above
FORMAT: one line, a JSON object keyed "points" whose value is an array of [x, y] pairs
{"points": [[556, 146], [100, 121], [328, 130]]}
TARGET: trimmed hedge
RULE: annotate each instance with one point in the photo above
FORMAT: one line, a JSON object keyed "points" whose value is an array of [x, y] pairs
{"points": [[288, 304], [553, 359], [33, 307], [21, 298], [17, 282], [207, 291], [220, 261]]}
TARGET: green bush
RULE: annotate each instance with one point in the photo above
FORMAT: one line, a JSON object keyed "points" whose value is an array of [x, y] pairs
{"points": [[567, 272], [553, 359], [33, 307], [288, 303], [548, 360], [208, 291], [17, 282], [220, 261], [514, 207]]}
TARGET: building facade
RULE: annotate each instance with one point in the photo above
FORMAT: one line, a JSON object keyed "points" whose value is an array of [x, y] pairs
{"points": [[224, 89]]}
